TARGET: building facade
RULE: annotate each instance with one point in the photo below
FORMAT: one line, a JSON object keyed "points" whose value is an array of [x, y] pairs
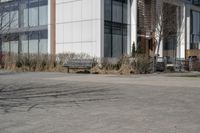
{"points": [[96, 27], [179, 32], [99, 28], [185, 41], [24, 26]]}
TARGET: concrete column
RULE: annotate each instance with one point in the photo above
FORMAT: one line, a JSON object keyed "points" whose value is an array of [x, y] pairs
{"points": [[49, 27], [188, 27], [133, 4], [161, 49], [102, 28], [181, 32], [129, 43], [52, 27], [159, 10], [182, 44]]}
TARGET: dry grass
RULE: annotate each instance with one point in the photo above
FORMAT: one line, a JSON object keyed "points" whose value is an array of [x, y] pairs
{"points": [[35, 62], [125, 65], [15, 62]]}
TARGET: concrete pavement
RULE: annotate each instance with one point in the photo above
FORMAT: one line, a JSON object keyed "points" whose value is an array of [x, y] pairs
{"points": [[70, 103]]}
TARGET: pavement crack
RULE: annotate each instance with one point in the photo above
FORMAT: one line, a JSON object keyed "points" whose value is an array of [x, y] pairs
{"points": [[30, 108]]}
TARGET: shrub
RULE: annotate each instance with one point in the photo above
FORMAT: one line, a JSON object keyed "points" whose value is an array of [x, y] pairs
{"points": [[142, 64], [34, 62]]}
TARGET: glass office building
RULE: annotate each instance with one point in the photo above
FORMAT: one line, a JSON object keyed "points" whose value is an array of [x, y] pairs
{"points": [[24, 27], [99, 28]]}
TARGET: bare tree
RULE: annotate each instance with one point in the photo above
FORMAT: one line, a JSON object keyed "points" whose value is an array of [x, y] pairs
{"points": [[165, 23], [8, 21], [7, 18]]}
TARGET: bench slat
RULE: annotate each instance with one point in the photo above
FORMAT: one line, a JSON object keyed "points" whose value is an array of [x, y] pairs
{"points": [[79, 63]]}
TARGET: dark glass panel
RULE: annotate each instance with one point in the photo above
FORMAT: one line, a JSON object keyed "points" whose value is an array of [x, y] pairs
{"points": [[107, 45], [43, 34], [195, 30], [43, 2], [33, 35], [117, 11], [33, 3], [107, 11]]}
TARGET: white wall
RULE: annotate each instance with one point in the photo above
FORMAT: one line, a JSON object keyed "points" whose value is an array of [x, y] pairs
{"points": [[49, 28], [133, 23], [188, 27], [181, 46], [78, 26]]}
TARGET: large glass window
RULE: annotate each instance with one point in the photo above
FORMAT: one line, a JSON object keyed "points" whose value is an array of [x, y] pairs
{"points": [[9, 16], [117, 41], [5, 46], [43, 42], [115, 30], [24, 41], [5, 17], [5, 20], [107, 40], [117, 11], [125, 13], [33, 3], [33, 13], [33, 43], [14, 47], [14, 17], [43, 15], [25, 17], [10, 43], [195, 30], [33, 16], [125, 41], [107, 10], [23, 14], [43, 2]]}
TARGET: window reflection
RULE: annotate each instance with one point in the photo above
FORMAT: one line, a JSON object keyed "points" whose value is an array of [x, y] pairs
{"points": [[115, 30], [43, 15], [34, 42], [43, 47], [24, 41], [195, 30], [117, 11], [14, 17], [33, 16], [26, 19]]}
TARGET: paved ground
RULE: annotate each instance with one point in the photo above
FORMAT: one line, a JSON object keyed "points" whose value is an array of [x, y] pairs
{"points": [[64, 103]]}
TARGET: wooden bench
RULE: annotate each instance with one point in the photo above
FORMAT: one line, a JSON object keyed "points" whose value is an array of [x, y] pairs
{"points": [[79, 64]]}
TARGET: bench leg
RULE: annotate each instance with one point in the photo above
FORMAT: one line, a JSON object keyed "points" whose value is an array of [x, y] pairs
{"points": [[67, 69]]}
